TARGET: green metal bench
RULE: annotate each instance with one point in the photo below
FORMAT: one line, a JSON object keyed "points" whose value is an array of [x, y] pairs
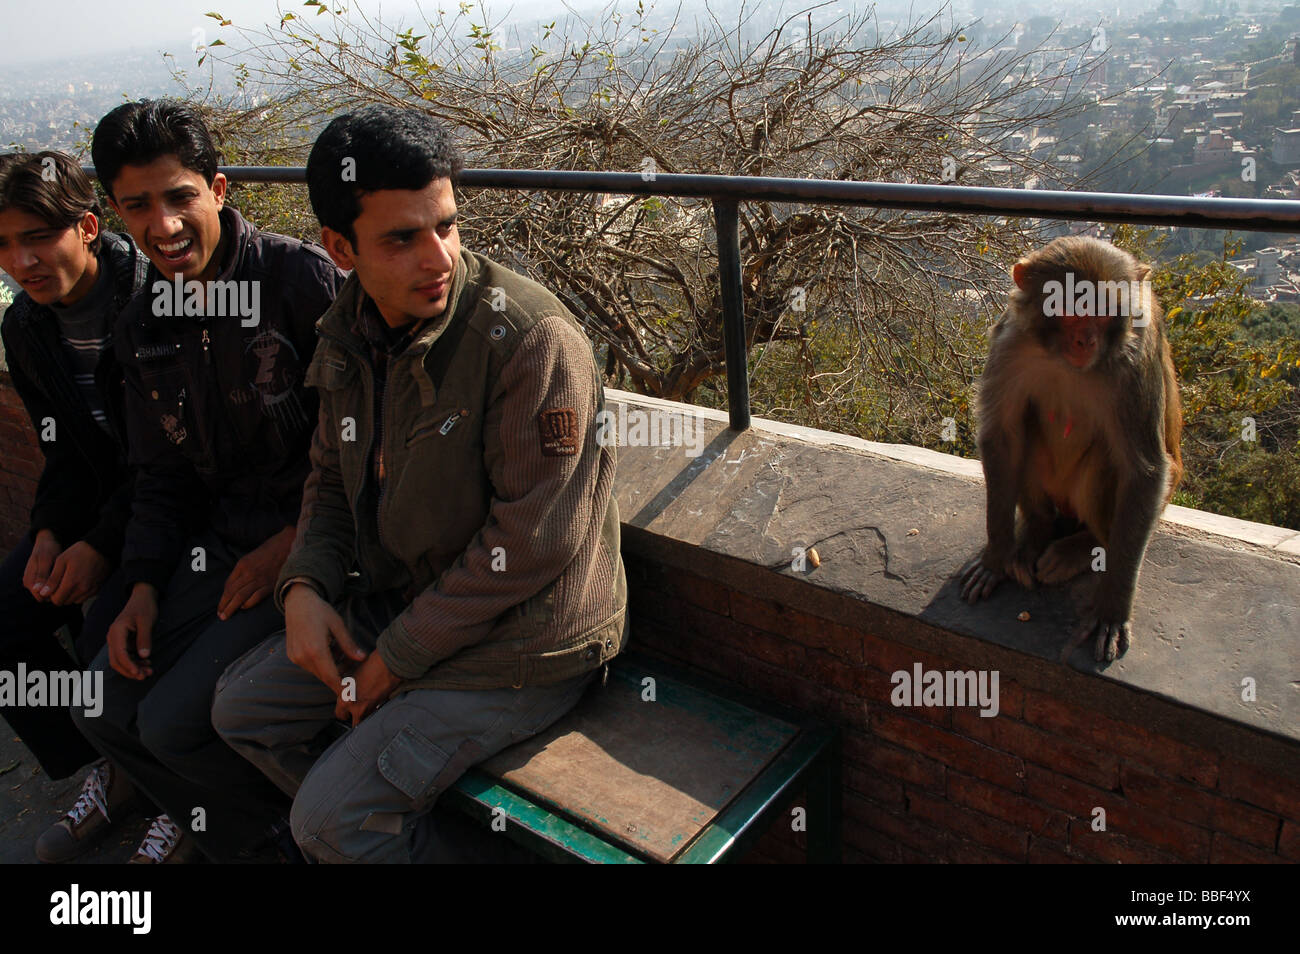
{"points": [[660, 767]]}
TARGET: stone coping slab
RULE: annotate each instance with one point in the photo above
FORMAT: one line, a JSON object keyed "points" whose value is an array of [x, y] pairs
{"points": [[1218, 598]]}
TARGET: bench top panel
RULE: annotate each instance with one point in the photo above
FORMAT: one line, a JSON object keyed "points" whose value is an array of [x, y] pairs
{"points": [[649, 774]]}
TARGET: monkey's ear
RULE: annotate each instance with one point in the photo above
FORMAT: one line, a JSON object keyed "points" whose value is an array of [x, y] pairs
{"points": [[1143, 271], [1020, 275]]}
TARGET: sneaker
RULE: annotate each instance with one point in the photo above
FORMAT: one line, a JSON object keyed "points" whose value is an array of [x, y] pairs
{"points": [[165, 844], [105, 793], [276, 847], [281, 837]]}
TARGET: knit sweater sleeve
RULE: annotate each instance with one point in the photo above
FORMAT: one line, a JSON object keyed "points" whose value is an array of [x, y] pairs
{"points": [[539, 436]]}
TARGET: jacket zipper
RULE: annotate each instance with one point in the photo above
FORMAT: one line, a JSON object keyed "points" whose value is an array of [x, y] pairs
{"points": [[72, 394], [212, 453], [222, 407], [117, 421], [379, 460], [213, 449], [102, 373]]}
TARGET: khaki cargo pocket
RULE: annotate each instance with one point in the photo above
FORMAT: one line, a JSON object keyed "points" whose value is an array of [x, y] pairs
{"points": [[412, 763]]}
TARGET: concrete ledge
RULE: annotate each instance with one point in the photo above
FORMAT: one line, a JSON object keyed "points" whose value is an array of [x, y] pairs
{"points": [[1218, 599], [1245, 531]]}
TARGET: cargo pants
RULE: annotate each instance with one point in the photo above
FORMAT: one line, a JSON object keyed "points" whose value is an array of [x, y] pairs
{"points": [[368, 793]]}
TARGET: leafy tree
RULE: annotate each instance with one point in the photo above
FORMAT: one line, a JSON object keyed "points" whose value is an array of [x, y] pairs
{"points": [[1241, 403]]}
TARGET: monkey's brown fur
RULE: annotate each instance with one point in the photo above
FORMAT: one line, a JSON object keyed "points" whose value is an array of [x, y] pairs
{"points": [[1079, 417]]}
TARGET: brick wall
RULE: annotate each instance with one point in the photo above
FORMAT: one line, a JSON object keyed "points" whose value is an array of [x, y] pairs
{"points": [[939, 784], [21, 463]]}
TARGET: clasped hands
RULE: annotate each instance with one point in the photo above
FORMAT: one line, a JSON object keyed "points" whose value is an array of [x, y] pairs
{"points": [[63, 577], [314, 631]]}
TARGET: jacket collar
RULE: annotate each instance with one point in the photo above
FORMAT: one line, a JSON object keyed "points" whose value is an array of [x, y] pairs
{"points": [[242, 233], [340, 319]]}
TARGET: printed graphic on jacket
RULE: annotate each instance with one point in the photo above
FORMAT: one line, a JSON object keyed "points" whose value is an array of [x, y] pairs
{"points": [[275, 382]]}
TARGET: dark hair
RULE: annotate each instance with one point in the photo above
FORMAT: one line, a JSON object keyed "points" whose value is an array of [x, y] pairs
{"points": [[389, 148], [136, 134], [60, 200]]}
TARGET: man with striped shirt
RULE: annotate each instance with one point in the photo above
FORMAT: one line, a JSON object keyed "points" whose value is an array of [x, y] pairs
{"points": [[58, 337], [85, 335]]}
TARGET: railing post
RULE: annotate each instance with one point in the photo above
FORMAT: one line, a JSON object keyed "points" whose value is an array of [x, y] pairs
{"points": [[726, 217]]}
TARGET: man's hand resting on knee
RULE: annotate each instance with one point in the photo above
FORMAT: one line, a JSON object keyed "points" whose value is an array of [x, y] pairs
{"points": [[45, 550], [253, 577], [134, 625], [311, 624]]}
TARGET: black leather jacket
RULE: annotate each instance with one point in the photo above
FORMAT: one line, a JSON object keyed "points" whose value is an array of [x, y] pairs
{"points": [[85, 488], [219, 418]]}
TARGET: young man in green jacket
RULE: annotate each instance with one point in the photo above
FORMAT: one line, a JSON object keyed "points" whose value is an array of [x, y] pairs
{"points": [[456, 462]]}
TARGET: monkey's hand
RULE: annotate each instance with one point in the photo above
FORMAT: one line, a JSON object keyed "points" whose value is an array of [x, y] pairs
{"points": [[1021, 568], [979, 579], [1112, 638]]}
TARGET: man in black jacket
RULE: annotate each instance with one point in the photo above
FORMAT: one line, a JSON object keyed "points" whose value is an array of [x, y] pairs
{"points": [[219, 420], [58, 344]]}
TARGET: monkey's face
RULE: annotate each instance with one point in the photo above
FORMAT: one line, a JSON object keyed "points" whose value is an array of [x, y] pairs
{"points": [[1079, 337], [1079, 296]]}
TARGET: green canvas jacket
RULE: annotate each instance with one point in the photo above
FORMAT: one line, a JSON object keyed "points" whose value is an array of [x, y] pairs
{"points": [[496, 512]]}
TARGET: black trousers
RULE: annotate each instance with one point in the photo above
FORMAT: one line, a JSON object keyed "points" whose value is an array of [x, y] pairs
{"points": [[27, 635], [159, 730]]}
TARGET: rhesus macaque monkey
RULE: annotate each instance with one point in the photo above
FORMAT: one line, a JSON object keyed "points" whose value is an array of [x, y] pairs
{"points": [[1079, 423]]}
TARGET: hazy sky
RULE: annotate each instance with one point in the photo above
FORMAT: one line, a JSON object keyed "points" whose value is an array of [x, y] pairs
{"points": [[33, 31]]}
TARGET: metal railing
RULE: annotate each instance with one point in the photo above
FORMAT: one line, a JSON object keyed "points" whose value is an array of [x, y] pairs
{"points": [[727, 192]]}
